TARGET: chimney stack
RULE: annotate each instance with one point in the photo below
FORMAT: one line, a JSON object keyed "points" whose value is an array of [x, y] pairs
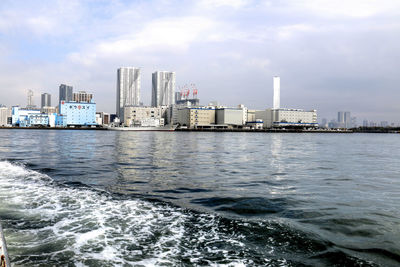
{"points": [[277, 92]]}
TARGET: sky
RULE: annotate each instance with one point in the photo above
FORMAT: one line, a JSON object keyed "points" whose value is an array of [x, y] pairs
{"points": [[330, 55]]}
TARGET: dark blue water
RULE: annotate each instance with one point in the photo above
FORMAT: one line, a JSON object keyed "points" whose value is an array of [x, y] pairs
{"points": [[98, 198]]}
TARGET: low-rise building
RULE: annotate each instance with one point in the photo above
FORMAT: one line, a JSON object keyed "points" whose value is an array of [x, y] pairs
{"points": [[278, 118], [141, 116], [256, 124], [194, 117], [20, 116], [5, 113], [230, 116]]}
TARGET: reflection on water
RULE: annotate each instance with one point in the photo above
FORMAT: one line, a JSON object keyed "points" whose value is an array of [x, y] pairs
{"points": [[338, 189]]}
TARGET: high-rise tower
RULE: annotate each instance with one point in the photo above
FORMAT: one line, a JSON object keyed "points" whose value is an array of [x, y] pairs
{"points": [[277, 92], [128, 89], [46, 100], [163, 88], [65, 93]]}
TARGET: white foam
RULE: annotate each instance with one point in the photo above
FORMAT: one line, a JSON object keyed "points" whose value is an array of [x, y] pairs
{"points": [[95, 226]]}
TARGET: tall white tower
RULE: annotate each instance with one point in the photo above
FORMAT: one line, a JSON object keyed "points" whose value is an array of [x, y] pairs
{"points": [[163, 92], [277, 92], [128, 89]]}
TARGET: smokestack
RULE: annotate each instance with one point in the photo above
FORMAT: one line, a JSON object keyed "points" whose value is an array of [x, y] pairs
{"points": [[277, 92]]}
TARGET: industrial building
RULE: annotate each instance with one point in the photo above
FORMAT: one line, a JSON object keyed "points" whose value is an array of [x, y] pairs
{"points": [[278, 117], [128, 89], [78, 114], [33, 118], [141, 116], [230, 116], [282, 117], [195, 117], [163, 88]]}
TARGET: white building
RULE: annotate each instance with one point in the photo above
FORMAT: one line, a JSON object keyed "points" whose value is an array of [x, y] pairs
{"points": [[277, 92], [285, 117], [163, 88], [5, 113], [195, 117], [230, 116], [145, 116], [128, 89]]}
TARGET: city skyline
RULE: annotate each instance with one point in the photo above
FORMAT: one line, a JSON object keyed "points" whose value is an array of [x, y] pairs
{"points": [[329, 59]]}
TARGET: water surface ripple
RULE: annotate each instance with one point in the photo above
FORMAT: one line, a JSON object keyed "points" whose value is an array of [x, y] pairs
{"points": [[97, 198]]}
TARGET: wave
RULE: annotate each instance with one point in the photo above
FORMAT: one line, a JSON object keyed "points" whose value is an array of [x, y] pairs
{"points": [[48, 223]]}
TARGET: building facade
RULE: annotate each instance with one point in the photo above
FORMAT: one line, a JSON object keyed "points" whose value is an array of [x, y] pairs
{"points": [[128, 89], [46, 100], [65, 93], [141, 116], [5, 113], [278, 118], [196, 117], [78, 114], [82, 96], [163, 88], [229, 116]]}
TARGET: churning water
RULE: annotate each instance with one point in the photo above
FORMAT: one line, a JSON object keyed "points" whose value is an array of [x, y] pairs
{"points": [[97, 198]]}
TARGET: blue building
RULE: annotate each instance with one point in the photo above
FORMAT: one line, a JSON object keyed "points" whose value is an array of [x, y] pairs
{"points": [[78, 113]]}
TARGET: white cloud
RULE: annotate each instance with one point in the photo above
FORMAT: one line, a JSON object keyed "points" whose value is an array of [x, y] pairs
{"points": [[223, 3], [171, 34], [348, 8]]}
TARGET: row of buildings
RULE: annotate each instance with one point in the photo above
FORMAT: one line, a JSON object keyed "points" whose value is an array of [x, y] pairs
{"points": [[175, 108], [73, 109], [77, 109]]}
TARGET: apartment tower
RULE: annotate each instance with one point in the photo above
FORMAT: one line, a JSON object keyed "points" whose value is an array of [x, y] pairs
{"points": [[163, 89], [128, 89]]}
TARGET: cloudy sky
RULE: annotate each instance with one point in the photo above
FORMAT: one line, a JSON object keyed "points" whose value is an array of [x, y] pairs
{"points": [[330, 55]]}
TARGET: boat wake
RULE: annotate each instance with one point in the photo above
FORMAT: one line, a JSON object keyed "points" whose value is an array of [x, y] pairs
{"points": [[48, 223]]}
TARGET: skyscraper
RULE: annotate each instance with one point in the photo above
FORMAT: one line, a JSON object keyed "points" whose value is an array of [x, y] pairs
{"points": [[277, 92], [128, 89], [46, 100], [65, 93], [163, 88], [344, 119]]}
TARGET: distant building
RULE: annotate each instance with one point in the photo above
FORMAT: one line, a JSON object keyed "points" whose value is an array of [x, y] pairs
{"points": [[344, 119], [280, 118], [49, 110], [324, 123], [33, 118], [163, 88], [365, 123], [82, 96], [145, 116], [230, 116], [65, 93], [19, 115], [384, 124], [5, 113], [105, 118], [178, 96], [196, 117], [46, 100], [78, 114], [128, 89], [194, 102]]}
